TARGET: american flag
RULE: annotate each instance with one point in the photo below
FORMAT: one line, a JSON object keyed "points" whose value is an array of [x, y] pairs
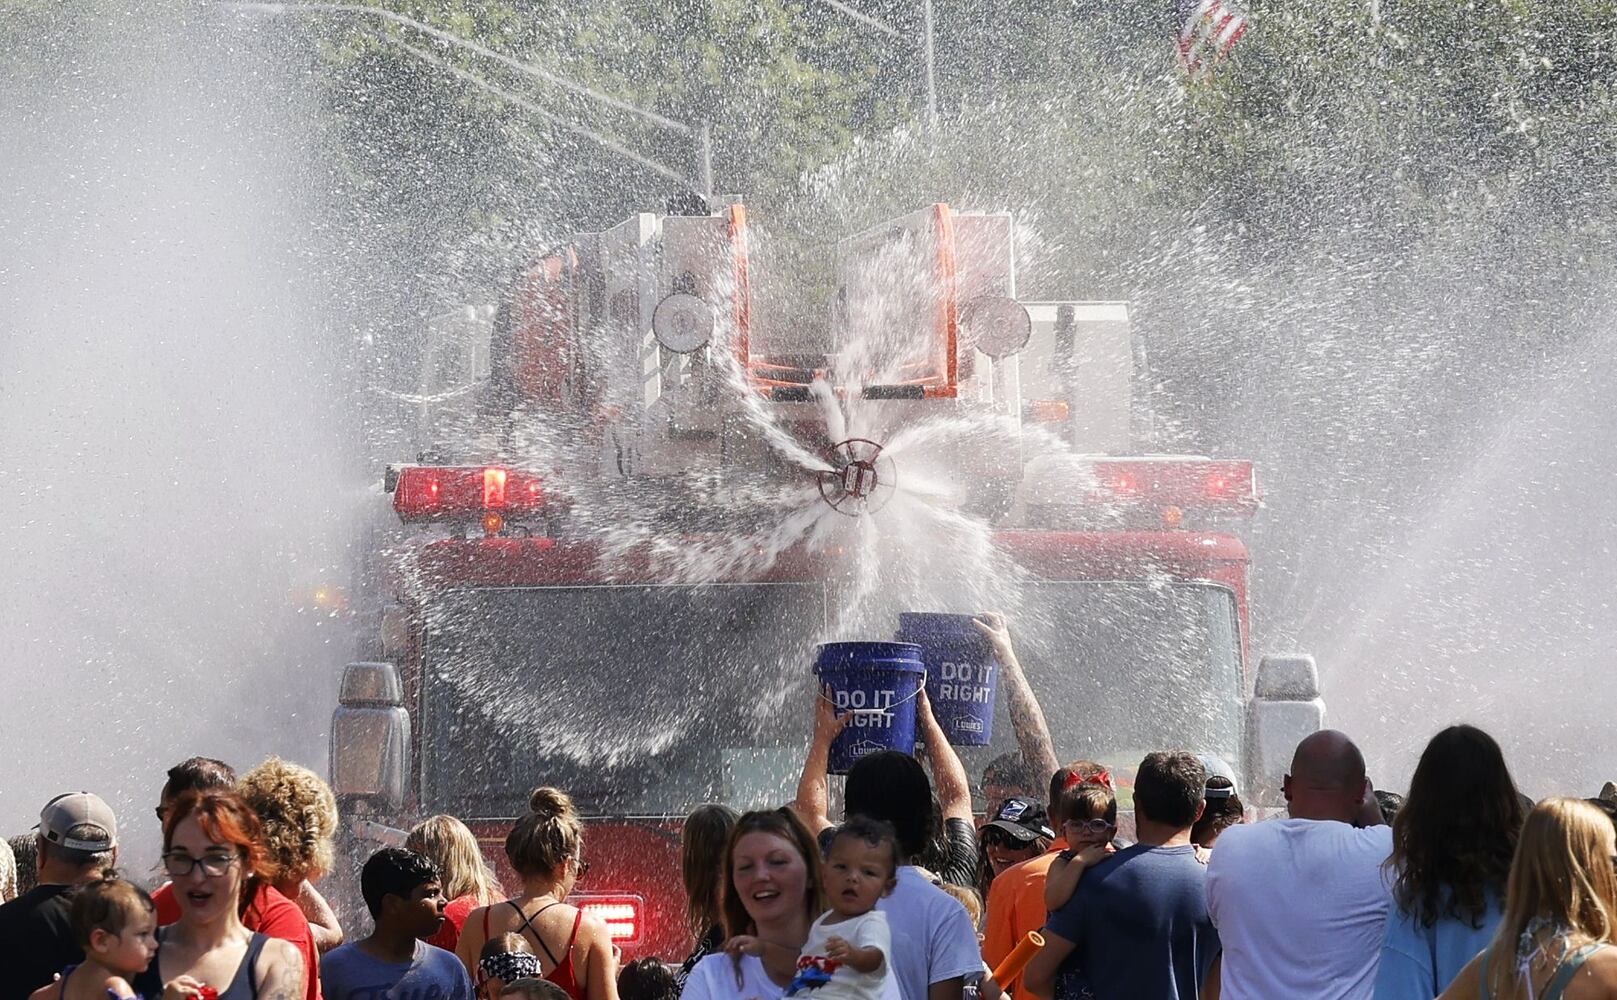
{"points": [[1211, 29]]}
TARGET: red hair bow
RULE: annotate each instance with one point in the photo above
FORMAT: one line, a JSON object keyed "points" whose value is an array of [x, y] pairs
{"points": [[1102, 778]]}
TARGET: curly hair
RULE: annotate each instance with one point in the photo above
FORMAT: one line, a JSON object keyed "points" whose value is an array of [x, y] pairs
{"points": [[1453, 840], [299, 814]]}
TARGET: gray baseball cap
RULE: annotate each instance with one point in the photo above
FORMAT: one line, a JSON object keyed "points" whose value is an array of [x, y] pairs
{"points": [[72, 809], [1216, 767]]}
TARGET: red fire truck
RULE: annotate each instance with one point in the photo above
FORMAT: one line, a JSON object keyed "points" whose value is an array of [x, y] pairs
{"points": [[529, 634]]}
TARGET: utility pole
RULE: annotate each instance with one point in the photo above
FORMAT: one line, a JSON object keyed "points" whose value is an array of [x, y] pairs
{"points": [[931, 70], [704, 160]]}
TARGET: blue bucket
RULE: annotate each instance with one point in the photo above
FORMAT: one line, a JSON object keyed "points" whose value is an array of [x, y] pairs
{"points": [[962, 674], [877, 682]]}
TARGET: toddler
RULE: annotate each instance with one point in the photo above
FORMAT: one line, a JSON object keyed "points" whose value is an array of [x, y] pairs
{"points": [[116, 924], [1090, 809]]}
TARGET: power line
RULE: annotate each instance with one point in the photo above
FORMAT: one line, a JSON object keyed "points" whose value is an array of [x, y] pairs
{"points": [[471, 46]]}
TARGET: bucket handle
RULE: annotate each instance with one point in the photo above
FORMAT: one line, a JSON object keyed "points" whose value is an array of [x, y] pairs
{"points": [[874, 713]]}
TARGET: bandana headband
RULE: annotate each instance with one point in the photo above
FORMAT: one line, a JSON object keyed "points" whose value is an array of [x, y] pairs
{"points": [[509, 965]]}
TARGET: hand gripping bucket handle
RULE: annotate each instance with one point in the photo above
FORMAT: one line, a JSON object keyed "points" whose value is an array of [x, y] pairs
{"points": [[873, 713], [869, 678]]}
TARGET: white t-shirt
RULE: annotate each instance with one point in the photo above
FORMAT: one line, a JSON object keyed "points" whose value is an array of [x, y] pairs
{"points": [[933, 939], [822, 978], [1300, 906], [714, 978]]}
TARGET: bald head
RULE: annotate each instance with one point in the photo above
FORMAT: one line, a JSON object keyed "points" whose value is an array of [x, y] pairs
{"points": [[1328, 759], [1327, 778]]}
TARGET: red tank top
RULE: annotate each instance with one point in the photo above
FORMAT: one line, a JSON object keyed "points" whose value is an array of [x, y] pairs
{"points": [[561, 973]]}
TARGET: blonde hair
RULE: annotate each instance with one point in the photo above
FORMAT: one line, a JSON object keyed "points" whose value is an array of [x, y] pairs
{"points": [[461, 867], [969, 899], [1562, 876], [299, 814], [543, 840]]}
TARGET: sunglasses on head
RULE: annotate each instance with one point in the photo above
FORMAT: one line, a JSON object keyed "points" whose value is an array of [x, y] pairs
{"points": [[995, 837]]}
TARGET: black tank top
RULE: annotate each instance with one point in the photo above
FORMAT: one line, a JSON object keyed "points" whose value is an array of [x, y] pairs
{"points": [[243, 985]]}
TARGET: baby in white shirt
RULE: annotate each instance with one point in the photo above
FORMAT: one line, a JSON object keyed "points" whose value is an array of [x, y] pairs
{"points": [[845, 956]]}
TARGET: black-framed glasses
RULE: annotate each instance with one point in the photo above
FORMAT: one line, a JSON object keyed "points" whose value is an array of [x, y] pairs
{"points": [[179, 864], [582, 866]]}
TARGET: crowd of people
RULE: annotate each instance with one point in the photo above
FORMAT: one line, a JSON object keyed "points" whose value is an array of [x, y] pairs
{"points": [[1462, 888]]}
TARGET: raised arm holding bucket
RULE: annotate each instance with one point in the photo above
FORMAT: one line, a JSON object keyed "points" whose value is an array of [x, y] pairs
{"points": [[1027, 716], [813, 802], [953, 789]]}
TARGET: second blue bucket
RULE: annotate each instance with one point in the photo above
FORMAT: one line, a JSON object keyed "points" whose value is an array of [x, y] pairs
{"points": [[878, 682], [962, 674]]}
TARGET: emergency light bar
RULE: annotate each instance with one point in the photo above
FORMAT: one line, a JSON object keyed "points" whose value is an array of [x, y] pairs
{"points": [[465, 493], [1191, 483], [620, 914]]}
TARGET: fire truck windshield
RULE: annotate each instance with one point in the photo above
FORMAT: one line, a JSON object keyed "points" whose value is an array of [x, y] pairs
{"points": [[1125, 667], [638, 700], [646, 700]]}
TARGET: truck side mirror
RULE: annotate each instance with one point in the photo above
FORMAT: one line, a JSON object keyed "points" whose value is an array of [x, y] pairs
{"points": [[1286, 707], [370, 737]]}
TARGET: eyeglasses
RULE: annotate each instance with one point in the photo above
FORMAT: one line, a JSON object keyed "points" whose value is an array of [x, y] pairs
{"points": [[179, 864], [582, 865], [1089, 825], [162, 813]]}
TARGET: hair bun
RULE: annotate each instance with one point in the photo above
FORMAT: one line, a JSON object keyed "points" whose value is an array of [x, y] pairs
{"points": [[547, 801]]}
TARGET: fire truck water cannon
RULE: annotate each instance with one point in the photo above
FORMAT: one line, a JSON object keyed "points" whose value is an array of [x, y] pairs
{"points": [[862, 479]]}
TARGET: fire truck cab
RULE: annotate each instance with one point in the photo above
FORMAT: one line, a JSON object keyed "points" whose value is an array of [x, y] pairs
{"points": [[523, 639]]}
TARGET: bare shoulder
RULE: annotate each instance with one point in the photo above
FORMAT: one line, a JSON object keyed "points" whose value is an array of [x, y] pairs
{"points": [[1597, 980], [46, 992], [592, 929], [280, 971]]}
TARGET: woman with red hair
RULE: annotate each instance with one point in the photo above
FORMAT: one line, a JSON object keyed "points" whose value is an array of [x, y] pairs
{"points": [[212, 849]]}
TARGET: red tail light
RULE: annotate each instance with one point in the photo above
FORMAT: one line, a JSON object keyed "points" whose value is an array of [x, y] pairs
{"points": [[622, 915], [465, 493], [1189, 483]]}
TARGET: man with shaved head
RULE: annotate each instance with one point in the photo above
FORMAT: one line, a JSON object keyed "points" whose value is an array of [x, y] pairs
{"points": [[1300, 903]]}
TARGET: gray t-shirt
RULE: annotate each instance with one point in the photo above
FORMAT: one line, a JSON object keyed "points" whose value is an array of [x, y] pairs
{"points": [[347, 973]]}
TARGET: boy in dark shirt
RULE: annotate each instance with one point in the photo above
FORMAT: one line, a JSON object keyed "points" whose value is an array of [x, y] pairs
{"points": [[402, 892]]}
